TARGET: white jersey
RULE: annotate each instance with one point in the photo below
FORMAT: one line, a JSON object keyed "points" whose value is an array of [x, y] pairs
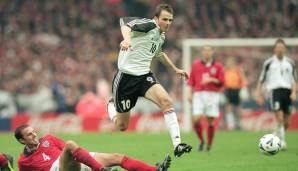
{"points": [[278, 73], [147, 41]]}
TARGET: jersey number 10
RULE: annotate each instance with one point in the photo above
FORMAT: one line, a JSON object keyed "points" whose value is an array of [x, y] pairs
{"points": [[125, 104]]}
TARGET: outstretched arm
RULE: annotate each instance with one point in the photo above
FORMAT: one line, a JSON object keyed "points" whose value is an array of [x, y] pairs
{"points": [[167, 61], [293, 95]]}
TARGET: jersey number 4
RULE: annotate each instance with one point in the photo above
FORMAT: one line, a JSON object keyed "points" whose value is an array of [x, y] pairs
{"points": [[153, 48], [46, 157]]}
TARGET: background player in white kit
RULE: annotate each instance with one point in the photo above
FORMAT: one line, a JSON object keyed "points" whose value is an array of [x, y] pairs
{"points": [[280, 76], [143, 39]]}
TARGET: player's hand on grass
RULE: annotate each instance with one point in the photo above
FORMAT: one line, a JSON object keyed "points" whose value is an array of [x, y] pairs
{"points": [[125, 45]]}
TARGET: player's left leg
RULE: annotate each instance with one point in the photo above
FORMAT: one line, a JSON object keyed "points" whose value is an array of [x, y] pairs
{"points": [[286, 124], [157, 94], [72, 156], [210, 132], [286, 121], [236, 108], [286, 104], [237, 112], [129, 163], [198, 128], [229, 119], [280, 129], [121, 120]]}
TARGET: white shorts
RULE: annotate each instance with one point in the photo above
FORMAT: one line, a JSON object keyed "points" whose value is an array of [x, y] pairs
{"points": [[205, 103], [55, 165]]}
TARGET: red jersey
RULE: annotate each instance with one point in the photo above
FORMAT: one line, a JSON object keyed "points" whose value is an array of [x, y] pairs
{"points": [[200, 70], [43, 157]]}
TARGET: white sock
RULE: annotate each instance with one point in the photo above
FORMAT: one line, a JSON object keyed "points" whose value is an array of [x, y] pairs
{"points": [[230, 121], [282, 132], [112, 111], [173, 127]]}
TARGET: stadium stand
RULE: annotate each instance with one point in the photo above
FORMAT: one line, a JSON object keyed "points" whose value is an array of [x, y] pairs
{"points": [[63, 48]]}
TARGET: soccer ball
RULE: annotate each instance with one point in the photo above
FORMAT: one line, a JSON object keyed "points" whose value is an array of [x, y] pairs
{"points": [[269, 144]]}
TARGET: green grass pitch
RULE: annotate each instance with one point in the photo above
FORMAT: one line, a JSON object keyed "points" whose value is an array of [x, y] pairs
{"points": [[232, 151]]}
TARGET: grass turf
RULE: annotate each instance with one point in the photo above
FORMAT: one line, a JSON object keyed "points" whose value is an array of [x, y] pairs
{"points": [[232, 151]]}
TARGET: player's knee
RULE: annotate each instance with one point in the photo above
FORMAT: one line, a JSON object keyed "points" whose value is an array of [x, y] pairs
{"points": [[122, 126], [210, 123], [210, 120], [280, 119], [166, 103], [70, 145], [117, 158], [196, 118]]}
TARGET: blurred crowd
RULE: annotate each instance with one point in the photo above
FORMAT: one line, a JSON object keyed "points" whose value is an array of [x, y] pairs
{"points": [[60, 55]]}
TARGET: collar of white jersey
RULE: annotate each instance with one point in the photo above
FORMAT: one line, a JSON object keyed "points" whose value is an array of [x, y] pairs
{"points": [[276, 58], [157, 25]]}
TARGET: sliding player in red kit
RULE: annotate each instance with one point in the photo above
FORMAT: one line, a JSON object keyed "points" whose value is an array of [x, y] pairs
{"points": [[49, 153], [206, 81]]}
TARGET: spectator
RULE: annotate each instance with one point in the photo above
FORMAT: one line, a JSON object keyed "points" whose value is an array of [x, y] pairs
{"points": [[7, 105], [72, 45]]}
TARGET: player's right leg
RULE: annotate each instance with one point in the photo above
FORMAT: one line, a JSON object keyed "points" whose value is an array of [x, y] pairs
{"points": [[280, 129], [286, 103], [212, 112], [67, 162], [228, 119], [277, 106], [125, 94], [198, 128], [157, 94], [121, 120], [72, 156], [198, 106]]}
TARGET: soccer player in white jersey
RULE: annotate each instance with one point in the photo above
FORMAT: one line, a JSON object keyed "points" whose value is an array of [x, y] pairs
{"points": [[279, 75], [143, 39]]}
